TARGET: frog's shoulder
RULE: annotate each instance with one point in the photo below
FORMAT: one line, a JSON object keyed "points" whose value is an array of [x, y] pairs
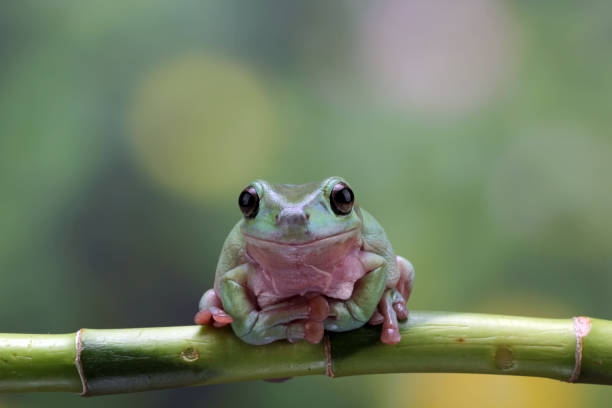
{"points": [[370, 227], [375, 239], [232, 253]]}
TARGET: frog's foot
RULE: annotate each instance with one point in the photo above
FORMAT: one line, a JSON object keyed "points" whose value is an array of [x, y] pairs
{"points": [[392, 306], [309, 330], [398, 298], [399, 306], [211, 311], [311, 327], [295, 319]]}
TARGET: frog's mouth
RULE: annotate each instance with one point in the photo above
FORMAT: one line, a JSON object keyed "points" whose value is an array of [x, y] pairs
{"points": [[321, 241]]}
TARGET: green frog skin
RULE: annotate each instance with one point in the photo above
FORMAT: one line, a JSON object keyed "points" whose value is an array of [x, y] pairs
{"points": [[304, 259]]}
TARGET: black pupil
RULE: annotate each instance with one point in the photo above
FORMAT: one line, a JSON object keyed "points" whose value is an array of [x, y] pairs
{"points": [[342, 199], [344, 196], [246, 200]]}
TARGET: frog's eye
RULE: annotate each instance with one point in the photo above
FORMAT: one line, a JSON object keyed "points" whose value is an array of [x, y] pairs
{"points": [[341, 199], [249, 202]]}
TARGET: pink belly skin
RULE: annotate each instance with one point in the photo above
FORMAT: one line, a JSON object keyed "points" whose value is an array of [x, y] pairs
{"points": [[329, 267]]}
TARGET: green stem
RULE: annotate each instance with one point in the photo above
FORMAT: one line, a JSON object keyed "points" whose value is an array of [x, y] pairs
{"points": [[129, 360]]}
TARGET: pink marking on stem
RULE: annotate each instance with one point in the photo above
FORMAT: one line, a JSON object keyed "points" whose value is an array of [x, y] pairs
{"points": [[582, 327]]}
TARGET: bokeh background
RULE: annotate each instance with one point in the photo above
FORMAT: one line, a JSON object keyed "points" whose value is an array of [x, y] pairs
{"points": [[477, 132]]}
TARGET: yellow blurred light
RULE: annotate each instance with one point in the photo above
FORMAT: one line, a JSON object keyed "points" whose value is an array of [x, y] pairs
{"points": [[201, 126], [469, 390]]}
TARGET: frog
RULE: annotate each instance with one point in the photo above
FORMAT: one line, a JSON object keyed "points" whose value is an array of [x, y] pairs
{"points": [[305, 259]]}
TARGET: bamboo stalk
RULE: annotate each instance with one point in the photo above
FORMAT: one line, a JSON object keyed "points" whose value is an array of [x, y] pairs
{"points": [[95, 362]]}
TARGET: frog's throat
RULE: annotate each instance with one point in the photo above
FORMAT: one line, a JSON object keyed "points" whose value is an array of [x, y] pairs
{"points": [[322, 240]]}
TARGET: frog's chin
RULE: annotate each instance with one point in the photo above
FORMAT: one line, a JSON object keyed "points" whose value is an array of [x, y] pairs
{"points": [[286, 258], [348, 235]]}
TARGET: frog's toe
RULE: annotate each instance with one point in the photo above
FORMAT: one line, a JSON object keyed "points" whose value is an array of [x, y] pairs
{"points": [[390, 335], [313, 331], [308, 330], [399, 305], [203, 317], [211, 311], [220, 316], [213, 315], [319, 309], [400, 310]]}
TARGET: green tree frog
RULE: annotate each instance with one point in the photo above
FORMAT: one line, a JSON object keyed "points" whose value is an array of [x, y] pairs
{"points": [[304, 259]]}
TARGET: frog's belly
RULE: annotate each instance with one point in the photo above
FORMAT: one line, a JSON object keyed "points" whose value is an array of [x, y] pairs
{"points": [[331, 271]]}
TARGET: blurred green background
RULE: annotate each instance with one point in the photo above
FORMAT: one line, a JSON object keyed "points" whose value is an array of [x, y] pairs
{"points": [[477, 132]]}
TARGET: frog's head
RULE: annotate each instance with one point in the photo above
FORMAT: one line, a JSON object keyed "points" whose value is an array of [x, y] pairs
{"points": [[299, 214]]}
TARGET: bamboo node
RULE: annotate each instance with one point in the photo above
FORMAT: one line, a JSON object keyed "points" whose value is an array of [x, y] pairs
{"points": [[79, 363], [329, 365], [582, 327]]}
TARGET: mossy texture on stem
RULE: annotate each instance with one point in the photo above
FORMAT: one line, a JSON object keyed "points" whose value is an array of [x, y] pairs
{"points": [[97, 362]]}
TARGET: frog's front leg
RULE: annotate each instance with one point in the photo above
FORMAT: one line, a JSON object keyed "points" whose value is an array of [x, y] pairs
{"points": [[356, 311], [295, 319]]}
